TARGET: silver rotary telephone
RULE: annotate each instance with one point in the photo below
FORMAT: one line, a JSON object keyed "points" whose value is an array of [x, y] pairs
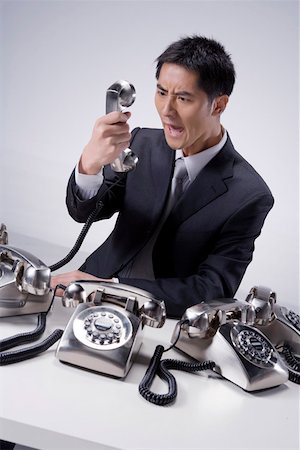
{"points": [[280, 324], [224, 331], [105, 332]]}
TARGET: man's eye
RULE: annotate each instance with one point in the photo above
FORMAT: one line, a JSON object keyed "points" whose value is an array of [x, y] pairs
{"points": [[162, 93], [182, 99]]}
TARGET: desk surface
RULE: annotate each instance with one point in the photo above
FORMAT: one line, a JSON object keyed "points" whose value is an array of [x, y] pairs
{"points": [[50, 405]]}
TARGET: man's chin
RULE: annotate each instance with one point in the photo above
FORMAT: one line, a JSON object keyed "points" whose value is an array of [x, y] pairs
{"points": [[173, 143]]}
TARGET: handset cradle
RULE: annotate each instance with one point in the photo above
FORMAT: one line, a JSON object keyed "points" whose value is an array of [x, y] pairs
{"points": [[120, 95], [105, 332]]}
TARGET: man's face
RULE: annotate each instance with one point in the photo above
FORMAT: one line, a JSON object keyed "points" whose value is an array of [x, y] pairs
{"points": [[184, 109]]}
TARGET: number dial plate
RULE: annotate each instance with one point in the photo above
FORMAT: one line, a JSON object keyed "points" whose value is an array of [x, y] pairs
{"points": [[253, 346], [102, 328]]}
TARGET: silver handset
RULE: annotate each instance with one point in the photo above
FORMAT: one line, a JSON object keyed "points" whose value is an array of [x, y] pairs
{"points": [[119, 95]]}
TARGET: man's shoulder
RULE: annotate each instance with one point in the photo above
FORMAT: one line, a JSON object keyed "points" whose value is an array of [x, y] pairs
{"points": [[148, 140], [154, 133], [244, 172]]}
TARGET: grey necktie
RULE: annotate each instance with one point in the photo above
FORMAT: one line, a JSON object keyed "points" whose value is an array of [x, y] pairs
{"points": [[180, 182], [141, 266]]}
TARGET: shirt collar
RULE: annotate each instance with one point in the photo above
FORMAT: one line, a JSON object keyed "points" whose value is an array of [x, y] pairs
{"points": [[195, 163]]}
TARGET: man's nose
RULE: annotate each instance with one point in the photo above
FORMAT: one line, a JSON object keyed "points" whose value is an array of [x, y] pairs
{"points": [[169, 106]]}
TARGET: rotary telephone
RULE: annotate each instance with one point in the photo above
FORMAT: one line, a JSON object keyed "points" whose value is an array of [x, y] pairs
{"points": [[225, 332], [279, 324], [105, 332]]}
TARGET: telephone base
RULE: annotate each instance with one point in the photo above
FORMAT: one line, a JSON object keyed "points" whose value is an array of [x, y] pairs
{"points": [[23, 304], [101, 339]]}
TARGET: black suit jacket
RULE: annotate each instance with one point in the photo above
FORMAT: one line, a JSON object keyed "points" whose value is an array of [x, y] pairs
{"points": [[206, 243]]}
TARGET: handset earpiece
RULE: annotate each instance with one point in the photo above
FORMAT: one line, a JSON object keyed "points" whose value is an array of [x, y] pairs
{"points": [[119, 95]]}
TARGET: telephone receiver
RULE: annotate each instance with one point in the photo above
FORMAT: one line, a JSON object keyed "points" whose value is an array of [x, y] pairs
{"points": [[24, 283], [222, 330], [119, 95], [105, 331]]}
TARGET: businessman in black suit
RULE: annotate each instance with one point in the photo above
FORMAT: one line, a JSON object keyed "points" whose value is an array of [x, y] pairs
{"points": [[187, 249]]}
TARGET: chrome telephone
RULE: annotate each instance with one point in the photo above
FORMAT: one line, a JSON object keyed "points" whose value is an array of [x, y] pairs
{"points": [[24, 282], [280, 324], [120, 95], [105, 332], [222, 331]]}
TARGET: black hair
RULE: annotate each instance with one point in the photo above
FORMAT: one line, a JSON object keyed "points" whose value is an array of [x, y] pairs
{"points": [[206, 57]]}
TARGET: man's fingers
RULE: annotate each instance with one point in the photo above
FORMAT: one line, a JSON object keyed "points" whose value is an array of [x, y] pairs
{"points": [[115, 117]]}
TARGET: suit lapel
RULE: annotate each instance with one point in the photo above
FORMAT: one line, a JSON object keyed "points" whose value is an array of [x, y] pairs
{"points": [[208, 185]]}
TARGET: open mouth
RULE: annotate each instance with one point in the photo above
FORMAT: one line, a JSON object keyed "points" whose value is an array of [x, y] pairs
{"points": [[174, 131]]}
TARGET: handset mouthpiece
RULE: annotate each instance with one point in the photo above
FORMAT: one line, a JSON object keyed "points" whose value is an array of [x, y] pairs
{"points": [[120, 95]]}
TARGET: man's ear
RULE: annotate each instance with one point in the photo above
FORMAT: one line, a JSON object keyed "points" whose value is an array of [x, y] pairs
{"points": [[219, 104]]}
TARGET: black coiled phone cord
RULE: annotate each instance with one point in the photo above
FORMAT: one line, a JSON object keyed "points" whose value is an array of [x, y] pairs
{"points": [[292, 363], [86, 227], [161, 368], [23, 338], [30, 352], [79, 240]]}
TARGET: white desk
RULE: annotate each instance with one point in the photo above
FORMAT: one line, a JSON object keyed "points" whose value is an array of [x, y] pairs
{"points": [[49, 405]]}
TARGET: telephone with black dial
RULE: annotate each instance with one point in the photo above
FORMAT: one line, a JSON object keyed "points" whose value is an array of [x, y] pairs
{"points": [[280, 324], [105, 332], [223, 331]]}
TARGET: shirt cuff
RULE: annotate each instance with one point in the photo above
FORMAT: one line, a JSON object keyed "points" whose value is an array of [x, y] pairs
{"points": [[88, 185]]}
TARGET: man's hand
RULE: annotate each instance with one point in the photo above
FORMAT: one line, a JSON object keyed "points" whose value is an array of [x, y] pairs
{"points": [[69, 277], [109, 138]]}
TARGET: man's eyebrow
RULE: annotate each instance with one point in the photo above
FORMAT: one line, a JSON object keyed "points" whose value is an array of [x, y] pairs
{"points": [[180, 93]]}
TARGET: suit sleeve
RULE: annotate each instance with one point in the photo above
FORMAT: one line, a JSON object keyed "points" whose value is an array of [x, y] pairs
{"points": [[220, 274]]}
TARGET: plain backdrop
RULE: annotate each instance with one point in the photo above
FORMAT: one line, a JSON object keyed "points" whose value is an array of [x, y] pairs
{"points": [[59, 57]]}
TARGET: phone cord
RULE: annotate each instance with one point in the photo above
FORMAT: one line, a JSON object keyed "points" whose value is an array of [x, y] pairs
{"points": [[91, 218], [79, 240], [22, 338], [29, 352], [161, 368], [292, 362]]}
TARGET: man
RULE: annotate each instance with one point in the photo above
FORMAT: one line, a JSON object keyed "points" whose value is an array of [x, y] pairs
{"points": [[199, 247]]}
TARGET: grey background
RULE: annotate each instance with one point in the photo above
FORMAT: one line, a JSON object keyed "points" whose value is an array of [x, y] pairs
{"points": [[59, 57]]}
